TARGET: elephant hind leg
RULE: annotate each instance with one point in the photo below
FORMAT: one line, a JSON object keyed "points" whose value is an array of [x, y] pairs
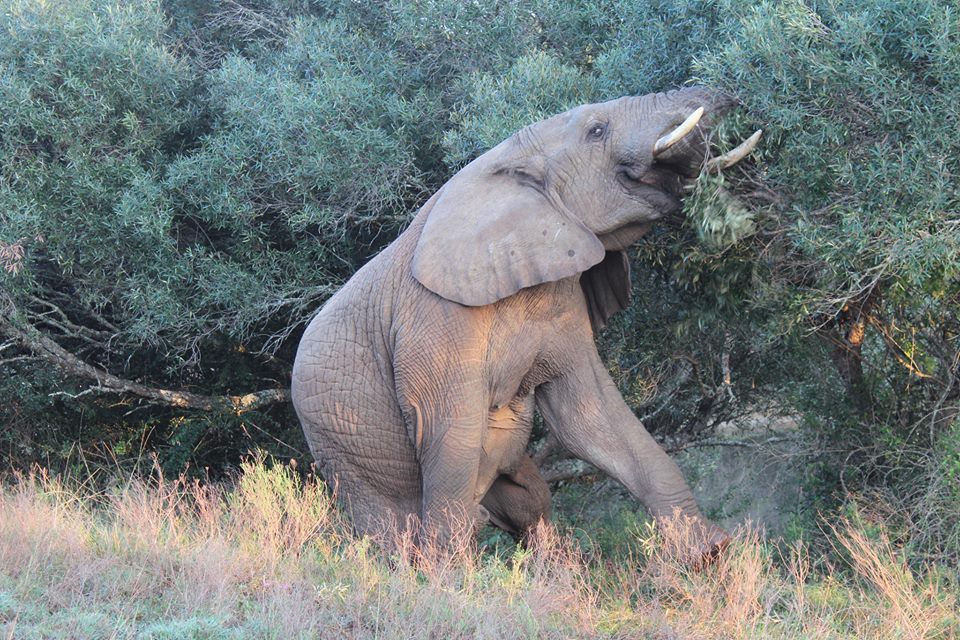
{"points": [[518, 501]]}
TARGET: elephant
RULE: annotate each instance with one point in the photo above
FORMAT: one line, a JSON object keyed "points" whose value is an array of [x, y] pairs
{"points": [[416, 383]]}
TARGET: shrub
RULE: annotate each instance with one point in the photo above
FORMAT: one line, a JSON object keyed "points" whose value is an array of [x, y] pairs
{"points": [[182, 184]]}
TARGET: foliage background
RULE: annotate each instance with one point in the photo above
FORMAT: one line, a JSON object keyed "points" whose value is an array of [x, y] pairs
{"points": [[183, 183]]}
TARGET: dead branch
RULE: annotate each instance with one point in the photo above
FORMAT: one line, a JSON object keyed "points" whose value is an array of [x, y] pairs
{"points": [[31, 339], [554, 476], [247, 22], [21, 358], [750, 444], [65, 325]]}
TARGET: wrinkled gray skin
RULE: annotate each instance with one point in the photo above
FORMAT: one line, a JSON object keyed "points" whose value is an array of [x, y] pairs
{"points": [[416, 383]]}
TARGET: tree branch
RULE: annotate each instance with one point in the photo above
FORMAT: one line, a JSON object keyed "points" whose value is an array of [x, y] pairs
{"points": [[559, 475], [31, 339], [65, 325], [20, 358], [553, 476], [748, 444], [901, 354], [550, 447]]}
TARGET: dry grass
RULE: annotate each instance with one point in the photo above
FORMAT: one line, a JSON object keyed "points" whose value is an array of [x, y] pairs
{"points": [[271, 558]]}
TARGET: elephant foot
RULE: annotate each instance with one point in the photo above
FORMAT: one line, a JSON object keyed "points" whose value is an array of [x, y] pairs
{"points": [[710, 544], [519, 502], [692, 540], [454, 529]]}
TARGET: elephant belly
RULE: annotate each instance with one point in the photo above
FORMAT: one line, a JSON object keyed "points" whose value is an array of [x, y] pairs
{"points": [[504, 441]]}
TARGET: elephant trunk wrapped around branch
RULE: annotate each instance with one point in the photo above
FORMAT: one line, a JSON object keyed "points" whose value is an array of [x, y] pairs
{"points": [[416, 383]]}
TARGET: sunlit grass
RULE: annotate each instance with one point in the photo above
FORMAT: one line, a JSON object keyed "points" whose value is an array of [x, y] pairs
{"points": [[270, 557]]}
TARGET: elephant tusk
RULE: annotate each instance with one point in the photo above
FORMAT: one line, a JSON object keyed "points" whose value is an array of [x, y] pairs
{"points": [[677, 134], [737, 154]]}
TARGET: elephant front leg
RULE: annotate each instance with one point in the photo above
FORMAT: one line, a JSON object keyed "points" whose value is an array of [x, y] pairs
{"points": [[450, 513], [590, 418], [440, 377], [446, 426]]}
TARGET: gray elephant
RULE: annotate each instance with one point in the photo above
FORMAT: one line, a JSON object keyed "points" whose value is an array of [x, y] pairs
{"points": [[416, 383]]}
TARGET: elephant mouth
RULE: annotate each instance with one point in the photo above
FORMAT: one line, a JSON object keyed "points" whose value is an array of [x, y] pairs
{"points": [[657, 185], [660, 187], [678, 159], [625, 236], [653, 195]]}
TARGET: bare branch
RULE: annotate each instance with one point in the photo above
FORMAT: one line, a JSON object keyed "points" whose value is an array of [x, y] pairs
{"points": [[31, 339], [749, 444], [247, 22], [553, 476], [13, 359], [65, 324]]}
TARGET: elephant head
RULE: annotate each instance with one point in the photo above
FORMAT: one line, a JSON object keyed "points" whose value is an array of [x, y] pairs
{"points": [[552, 200]]}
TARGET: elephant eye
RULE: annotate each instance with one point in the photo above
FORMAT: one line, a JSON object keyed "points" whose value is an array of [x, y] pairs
{"points": [[596, 131]]}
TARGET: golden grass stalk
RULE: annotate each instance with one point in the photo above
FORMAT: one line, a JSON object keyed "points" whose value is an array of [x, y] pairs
{"points": [[270, 556]]}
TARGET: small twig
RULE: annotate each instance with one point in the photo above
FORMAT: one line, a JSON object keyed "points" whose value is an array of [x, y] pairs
{"points": [[560, 475], [74, 396], [17, 359], [274, 438], [754, 444], [553, 477], [725, 366]]}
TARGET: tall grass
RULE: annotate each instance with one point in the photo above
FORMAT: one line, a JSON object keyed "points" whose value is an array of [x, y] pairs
{"points": [[270, 557]]}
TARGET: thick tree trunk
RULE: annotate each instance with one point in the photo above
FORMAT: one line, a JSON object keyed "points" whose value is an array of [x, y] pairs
{"points": [[847, 339]]}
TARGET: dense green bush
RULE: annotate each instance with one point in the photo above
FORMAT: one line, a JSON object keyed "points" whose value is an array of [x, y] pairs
{"points": [[858, 100], [182, 183], [858, 103]]}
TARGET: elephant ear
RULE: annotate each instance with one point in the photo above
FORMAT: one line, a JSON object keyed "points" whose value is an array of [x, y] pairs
{"points": [[606, 286], [493, 231]]}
